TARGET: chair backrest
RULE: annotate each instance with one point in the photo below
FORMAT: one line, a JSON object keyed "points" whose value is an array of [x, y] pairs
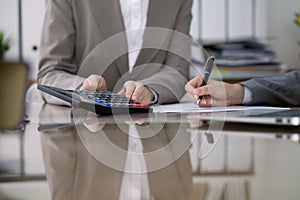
{"points": [[13, 85]]}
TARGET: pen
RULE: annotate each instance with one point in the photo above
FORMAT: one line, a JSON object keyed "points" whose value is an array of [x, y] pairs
{"points": [[207, 71]]}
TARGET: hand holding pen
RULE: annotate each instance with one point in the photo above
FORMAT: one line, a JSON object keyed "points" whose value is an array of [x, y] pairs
{"points": [[194, 86], [216, 93]]}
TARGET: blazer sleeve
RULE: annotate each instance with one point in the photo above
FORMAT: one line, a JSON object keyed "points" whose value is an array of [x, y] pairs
{"points": [[56, 64], [283, 90]]}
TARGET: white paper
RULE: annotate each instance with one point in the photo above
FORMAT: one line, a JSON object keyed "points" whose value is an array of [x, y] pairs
{"points": [[193, 108]]}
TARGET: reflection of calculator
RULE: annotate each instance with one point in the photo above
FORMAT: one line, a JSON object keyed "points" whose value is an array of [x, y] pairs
{"points": [[101, 102]]}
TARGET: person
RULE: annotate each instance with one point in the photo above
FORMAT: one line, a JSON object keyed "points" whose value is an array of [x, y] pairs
{"points": [[281, 90], [73, 29]]}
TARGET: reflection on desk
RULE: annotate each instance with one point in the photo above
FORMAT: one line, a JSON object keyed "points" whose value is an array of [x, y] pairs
{"points": [[88, 178], [198, 160]]}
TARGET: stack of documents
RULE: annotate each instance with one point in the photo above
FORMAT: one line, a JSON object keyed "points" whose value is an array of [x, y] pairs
{"points": [[240, 60], [241, 53]]}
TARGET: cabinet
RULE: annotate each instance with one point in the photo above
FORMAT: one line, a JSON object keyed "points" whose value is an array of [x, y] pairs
{"points": [[229, 19]]}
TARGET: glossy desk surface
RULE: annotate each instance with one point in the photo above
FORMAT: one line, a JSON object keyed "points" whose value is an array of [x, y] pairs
{"points": [[65, 153]]}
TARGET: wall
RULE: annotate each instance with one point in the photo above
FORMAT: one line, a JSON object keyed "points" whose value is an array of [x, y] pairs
{"points": [[274, 169], [32, 16], [9, 25], [284, 34]]}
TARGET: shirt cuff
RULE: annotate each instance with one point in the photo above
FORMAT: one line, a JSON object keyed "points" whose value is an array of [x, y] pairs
{"points": [[247, 95], [155, 99]]}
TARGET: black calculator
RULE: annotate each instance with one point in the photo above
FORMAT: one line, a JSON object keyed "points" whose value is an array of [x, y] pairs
{"points": [[101, 102]]}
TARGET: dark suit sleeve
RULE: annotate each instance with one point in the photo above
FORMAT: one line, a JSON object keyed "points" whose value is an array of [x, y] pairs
{"points": [[283, 90]]}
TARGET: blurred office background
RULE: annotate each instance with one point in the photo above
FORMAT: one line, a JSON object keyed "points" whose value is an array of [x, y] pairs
{"points": [[270, 21]]}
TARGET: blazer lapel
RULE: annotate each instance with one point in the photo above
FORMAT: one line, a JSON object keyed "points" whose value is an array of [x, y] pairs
{"points": [[107, 14], [161, 14]]}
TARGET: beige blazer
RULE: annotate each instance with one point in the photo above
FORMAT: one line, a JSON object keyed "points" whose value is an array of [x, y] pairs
{"points": [[72, 31], [73, 172]]}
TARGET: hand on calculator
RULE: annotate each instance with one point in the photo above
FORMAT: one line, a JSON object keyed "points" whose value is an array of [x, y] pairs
{"points": [[94, 82], [137, 91]]}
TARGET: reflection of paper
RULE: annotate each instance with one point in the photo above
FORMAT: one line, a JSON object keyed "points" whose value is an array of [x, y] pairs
{"points": [[193, 108]]}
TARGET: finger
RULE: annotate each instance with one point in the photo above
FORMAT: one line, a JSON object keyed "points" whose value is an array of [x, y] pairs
{"points": [[197, 81], [192, 97], [145, 100], [195, 123], [202, 91], [143, 94], [139, 93], [122, 92], [129, 88], [94, 126], [140, 97], [206, 101], [87, 85], [94, 82], [101, 84], [189, 88], [193, 83], [142, 121]]}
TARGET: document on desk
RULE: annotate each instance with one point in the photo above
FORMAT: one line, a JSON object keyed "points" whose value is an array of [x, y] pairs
{"points": [[190, 107]]}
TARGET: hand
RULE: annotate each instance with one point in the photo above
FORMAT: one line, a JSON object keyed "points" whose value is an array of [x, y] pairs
{"points": [[92, 123], [215, 93], [94, 82], [137, 91], [140, 122]]}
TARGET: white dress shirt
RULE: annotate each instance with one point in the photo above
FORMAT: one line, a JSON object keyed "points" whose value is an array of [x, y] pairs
{"points": [[247, 95], [135, 186], [134, 14]]}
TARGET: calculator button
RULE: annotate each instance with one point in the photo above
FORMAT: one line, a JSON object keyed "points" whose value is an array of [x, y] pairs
{"points": [[140, 105], [98, 101]]}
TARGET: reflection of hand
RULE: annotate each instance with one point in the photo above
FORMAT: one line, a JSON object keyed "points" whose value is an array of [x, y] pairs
{"points": [[137, 91], [196, 123], [213, 93], [91, 122], [94, 82], [141, 122]]}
